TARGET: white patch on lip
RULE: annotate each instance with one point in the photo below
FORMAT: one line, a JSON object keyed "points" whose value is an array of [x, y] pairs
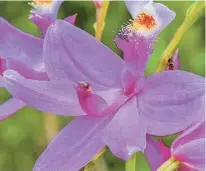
{"points": [[44, 7], [41, 2]]}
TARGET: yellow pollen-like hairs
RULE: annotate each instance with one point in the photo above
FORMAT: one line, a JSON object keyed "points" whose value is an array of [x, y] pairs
{"points": [[42, 2], [142, 21]]}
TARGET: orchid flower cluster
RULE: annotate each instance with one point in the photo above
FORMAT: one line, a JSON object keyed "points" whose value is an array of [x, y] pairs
{"points": [[68, 72]]}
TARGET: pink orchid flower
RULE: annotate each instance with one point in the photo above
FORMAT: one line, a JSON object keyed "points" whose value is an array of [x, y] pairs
{"points": [[22, 52], [188, 150], [45, 12], [156, 153], [115, 104], [149, 18]]}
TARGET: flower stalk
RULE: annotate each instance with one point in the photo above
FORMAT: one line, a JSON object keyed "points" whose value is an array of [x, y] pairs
{"points": [[98, 163], [193, 13], [131, 163], [170, 165], [51, 126], [100, 19], [99, 154]]}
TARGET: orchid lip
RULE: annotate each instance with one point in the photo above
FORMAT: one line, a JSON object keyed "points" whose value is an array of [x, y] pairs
{"points": [[144, 23]]}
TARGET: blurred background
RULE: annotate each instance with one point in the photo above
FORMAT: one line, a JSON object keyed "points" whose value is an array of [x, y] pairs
{"points": [[24, 136]]}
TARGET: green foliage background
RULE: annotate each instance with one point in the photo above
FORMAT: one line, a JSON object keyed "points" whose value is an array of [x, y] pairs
{"points": [[22, 137]]}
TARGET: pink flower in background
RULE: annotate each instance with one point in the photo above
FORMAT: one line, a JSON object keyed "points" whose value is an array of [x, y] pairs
{"points": [[22, 52], [115, 103], [156, 152], [188, 149], [45, 12], [149, 18]]}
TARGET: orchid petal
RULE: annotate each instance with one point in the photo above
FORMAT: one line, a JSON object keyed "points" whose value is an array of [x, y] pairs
{"points": [[159, 12], [71, 19], [43, 21], [2, 65], [184, 168], [46, 8], [152, 152], [26, 72], [44, 13], [74, 146], [1, 82], [22, 46], [156, 153], [55, 97], [192, 154], [164, 16], [69, 52], [134, 7], [171, 98], [126, 133], [9, 107], [165, 151], [196, 131]]}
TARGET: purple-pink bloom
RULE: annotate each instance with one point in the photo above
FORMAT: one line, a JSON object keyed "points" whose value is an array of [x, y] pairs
{"points": [[188, 149], [156, 153], [154, 12], [22, 52], [115, 104], [45, 12]]}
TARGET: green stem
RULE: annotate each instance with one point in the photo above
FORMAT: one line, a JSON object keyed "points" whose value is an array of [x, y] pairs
{"points": [[131, 163], [192, 15], [100, 17], [100, 165], [99, 154], [97, 163], [169, 165], [89, 167], [51, 126], [173, 166]]}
